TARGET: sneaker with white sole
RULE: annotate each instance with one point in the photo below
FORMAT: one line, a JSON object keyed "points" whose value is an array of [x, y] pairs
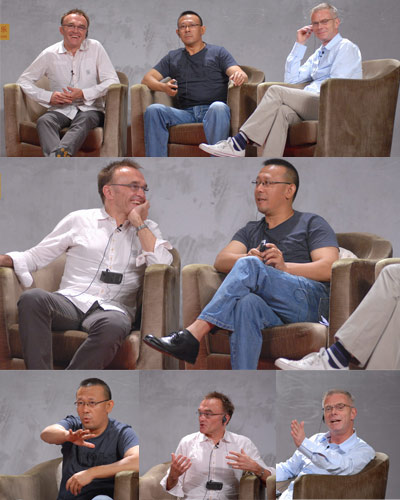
{"points": [[314, 361], [223, 148]]}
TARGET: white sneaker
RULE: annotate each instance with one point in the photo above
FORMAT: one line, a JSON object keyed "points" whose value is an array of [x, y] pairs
{"points": [[222, 148], [314, 361]]}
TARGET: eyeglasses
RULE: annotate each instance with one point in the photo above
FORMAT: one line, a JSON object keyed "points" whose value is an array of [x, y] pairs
{"points": [[324, 22], [337, 407], [268, 184], [91, 404], [207, 414], [183, 27], [71, 27], [135, 187]]}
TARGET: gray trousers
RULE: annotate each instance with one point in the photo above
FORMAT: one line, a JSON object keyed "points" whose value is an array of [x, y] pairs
{"points": [[279, 108], [372, 332], [40, 312], [51, 123]]}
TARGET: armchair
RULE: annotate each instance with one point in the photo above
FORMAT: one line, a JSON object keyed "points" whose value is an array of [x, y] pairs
{"points": [[370, 483], [159, 315], [347, 125], [293, 341], [250, 487], [42, 482], [184, 139], [21, 114]]}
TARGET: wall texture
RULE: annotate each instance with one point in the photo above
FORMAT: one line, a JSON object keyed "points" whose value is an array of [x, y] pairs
{"points": [[137, 34], [376, 393]]}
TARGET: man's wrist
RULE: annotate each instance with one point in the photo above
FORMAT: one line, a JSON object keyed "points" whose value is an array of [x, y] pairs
{"points": [[141, 226]]}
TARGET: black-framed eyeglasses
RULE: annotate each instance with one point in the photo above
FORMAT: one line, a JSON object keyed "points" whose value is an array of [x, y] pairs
{"points": [[268, 184], [135, 187], [338, 407], [91, 404], [207, 414], [183, 27], [81, 27], [324, 22]]}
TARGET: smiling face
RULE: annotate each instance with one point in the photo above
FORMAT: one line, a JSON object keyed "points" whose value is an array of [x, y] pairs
{"points": [[120, 200], [325, 31], [212, 425], [276, 197], [95, 419], [73, 32], [339, 422], [189, 30]]}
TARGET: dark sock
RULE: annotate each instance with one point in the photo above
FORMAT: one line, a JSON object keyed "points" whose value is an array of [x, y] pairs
{"points": [[339, 353], [239, 141]]}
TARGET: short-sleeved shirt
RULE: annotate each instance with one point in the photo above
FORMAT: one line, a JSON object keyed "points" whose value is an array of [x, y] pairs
{"points": [[110, 447], [296, 238], [201, 77]]}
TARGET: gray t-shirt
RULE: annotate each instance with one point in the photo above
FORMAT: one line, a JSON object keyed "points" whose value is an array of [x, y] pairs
{"points": [[110, 447], [296, 238]]}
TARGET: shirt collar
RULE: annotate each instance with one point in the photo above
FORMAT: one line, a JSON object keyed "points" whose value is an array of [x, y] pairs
{"points": [[226, 437], [63, 50], [346, 445], [335, 41]]}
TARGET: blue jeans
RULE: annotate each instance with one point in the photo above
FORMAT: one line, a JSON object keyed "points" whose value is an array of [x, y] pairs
{"points": [[158, 118], [254, 296]]}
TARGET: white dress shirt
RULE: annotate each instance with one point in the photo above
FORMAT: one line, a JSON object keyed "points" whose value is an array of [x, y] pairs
{"points": [[90, 70], [340, 58], [209, 463], [94, 243], [317, 455]]}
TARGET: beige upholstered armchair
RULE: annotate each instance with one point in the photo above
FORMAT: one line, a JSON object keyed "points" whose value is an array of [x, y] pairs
{"points": [[250, 487], [356, 117], [159, 315], [42, 482], [184, 139], [293, 341], [370, 483], [21, 114]]}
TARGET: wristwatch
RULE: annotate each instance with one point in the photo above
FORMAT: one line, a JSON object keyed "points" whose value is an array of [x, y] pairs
{"points": [[142, 226]]}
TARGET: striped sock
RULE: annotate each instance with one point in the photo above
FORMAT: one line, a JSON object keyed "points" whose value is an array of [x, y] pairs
{"points": [[338, 356], [239, 141]]}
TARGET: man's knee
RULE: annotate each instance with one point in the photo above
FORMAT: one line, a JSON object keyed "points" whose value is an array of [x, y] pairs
{"points": [[218, 107], [32, 299], [245, 263], [113, 326], [46, 121], [154, 110]]}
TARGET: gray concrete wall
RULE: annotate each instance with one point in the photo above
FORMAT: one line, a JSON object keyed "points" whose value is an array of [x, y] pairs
{"points": [[199, 203], [376, 399], [137, 34]]}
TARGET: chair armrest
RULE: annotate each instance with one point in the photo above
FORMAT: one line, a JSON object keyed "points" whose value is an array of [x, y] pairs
{"points": [[160, 308], [14, 114], [350, 281], [115, 121], [383, 263], [126, 485], [242, 101], [149, 483], [250, 488], [271, 487]]}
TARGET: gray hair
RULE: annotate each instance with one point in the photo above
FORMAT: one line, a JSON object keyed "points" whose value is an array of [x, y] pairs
{"points": [[323, 6], [338, 391]]}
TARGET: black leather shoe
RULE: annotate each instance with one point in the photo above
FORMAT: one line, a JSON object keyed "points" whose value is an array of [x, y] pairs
{"points": [[181, 345]]}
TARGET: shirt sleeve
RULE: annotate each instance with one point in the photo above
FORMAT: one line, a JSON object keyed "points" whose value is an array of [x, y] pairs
{"points": [[347, 63], [334, 459], [226, 59], [320, 234], [177, 490], [105, 73], [32, 74], [294, 71], [252, 451], [161, 254], [163, 66], [291, 468], [51, 247], [127, 439]]}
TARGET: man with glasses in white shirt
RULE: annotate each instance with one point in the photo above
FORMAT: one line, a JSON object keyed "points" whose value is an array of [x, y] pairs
{"points": [[281, 106], [209, 463], [107, 251], [80, 72], [339, 451], [94, 447]]}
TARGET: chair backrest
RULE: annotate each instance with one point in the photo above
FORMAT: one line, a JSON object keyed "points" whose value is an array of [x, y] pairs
{"points": [[123, 78], [254, 75], [377, 68], [365, 245]]}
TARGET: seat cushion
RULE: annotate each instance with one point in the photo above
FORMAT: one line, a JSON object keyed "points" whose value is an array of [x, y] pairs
{"points": [[187, 133], [303, 133], [93, 142]]}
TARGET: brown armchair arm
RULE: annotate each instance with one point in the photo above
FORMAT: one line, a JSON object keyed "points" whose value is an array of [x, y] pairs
{"points": [[383, 263], [251, 488], [242, 102], [126, 486], [160, 308], [13, 116], [351, 279], [115, 121]]}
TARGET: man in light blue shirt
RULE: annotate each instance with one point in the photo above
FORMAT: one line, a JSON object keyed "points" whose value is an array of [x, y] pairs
{"points": [[281, 106], [339, 451]]}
